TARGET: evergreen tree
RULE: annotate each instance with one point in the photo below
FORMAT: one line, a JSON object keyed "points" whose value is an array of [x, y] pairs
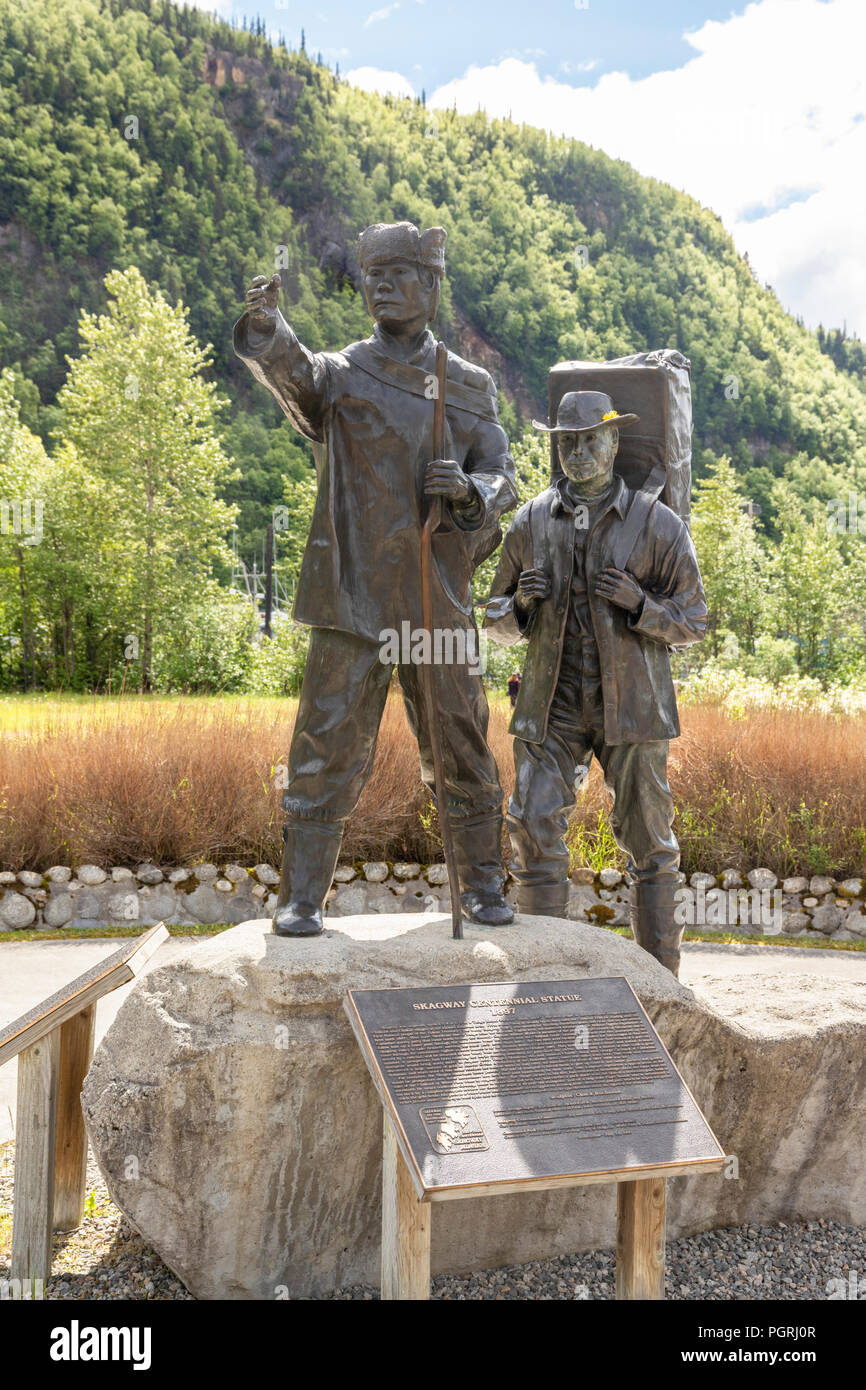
{"points": [[730, 557]]}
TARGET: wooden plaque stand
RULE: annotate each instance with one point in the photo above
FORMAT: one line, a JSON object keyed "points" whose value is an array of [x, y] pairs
{"points": [[54, 1046], [526, 1086], [406, 1225]]}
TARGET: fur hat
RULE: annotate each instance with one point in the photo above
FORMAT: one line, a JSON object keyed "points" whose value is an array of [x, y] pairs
{"points": [[385, 242]]}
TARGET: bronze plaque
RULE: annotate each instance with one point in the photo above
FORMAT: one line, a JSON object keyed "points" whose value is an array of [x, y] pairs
{"points": [[524, 1084]]}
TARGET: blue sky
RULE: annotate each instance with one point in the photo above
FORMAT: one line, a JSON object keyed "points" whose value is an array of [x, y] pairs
{"points": [[757, 109], [433, 41]]}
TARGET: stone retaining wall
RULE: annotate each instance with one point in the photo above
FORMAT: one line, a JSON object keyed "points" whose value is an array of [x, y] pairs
{"points": [[89, 896]]}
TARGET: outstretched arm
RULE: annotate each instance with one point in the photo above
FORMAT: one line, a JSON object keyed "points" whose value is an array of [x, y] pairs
{"points": [[296, 377]]}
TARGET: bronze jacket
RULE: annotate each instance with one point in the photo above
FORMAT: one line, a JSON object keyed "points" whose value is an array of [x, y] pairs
{"points": [[370, 418], [639, 700]]}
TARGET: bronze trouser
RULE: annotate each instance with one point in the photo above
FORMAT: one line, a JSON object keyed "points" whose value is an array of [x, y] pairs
{"points": [[340, 709], [549, 774]]}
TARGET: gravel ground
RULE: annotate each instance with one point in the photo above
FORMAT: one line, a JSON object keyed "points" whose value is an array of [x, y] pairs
{"points": [[105, 1259], [744, 1262]]}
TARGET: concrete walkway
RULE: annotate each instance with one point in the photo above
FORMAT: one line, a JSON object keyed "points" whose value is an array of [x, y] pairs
{"points": [[31, 970]]}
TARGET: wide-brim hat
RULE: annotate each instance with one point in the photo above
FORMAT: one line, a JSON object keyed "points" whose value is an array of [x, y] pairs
{"points": [[580, 411], [386, 242]]}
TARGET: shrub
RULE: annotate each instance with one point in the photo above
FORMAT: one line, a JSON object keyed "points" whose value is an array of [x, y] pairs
{"points": [[182, 780]]}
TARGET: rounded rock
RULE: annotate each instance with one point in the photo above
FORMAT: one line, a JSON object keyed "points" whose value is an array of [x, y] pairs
{"points": [[203, 905], [795, 922], [224, 885], [235, 873], [703, 881], [16, 911], [826, 919], [407, 870], [59, 910], [205, 873], [732, 878], [59, 873], [376, 871], [795, 885], [762, 878], [610, 878], [121, 875], [268, 875], [349, 902], [7, 877], [851, 887], [148, 873], [30, 879], [855, 921], [124, 907], [820, 884], [437, 874], [91, 875]]}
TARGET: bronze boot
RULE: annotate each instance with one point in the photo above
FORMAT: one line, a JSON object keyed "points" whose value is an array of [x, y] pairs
{"points": [[543, 899], [653, 924], [310, 852], [478, 851]]}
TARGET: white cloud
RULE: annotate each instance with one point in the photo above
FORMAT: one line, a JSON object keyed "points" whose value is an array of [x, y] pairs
{"points": [[766, 124], [379, 80], [376, 16], [223, 8]]}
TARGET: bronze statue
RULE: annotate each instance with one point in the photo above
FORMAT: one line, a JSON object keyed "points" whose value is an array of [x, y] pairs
{"points": [[600, 580], [368, 411]]}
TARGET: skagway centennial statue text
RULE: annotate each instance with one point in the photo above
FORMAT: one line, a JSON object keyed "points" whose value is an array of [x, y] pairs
{"points": [[600, 580], [369, 414]]}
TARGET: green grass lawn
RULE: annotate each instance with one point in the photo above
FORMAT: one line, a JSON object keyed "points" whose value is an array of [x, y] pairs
{"points": [[21, 714]]}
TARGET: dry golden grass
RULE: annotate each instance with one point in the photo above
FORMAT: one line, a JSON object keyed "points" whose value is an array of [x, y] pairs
{"points": [[180, 781]]}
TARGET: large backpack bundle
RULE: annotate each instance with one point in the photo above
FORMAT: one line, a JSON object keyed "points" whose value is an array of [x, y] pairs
{"points": [[655, 455]]}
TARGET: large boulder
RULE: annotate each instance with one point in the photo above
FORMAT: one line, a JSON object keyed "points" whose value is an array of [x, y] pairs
{"points": [[238, 1129]]}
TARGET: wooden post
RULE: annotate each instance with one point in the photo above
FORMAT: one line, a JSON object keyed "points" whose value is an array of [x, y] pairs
{"points": [[76, 1054], [38, 1069], [405, 1226], [640, 1239]]}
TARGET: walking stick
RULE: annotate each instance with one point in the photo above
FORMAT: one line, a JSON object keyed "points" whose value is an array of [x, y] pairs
{"points": [[431, 524]]}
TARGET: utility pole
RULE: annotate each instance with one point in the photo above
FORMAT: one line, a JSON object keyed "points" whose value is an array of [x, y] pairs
{"points": [[269, 577]]}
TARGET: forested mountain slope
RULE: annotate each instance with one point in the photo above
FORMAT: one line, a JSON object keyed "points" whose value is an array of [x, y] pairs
{"points": [[137, 132]]}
